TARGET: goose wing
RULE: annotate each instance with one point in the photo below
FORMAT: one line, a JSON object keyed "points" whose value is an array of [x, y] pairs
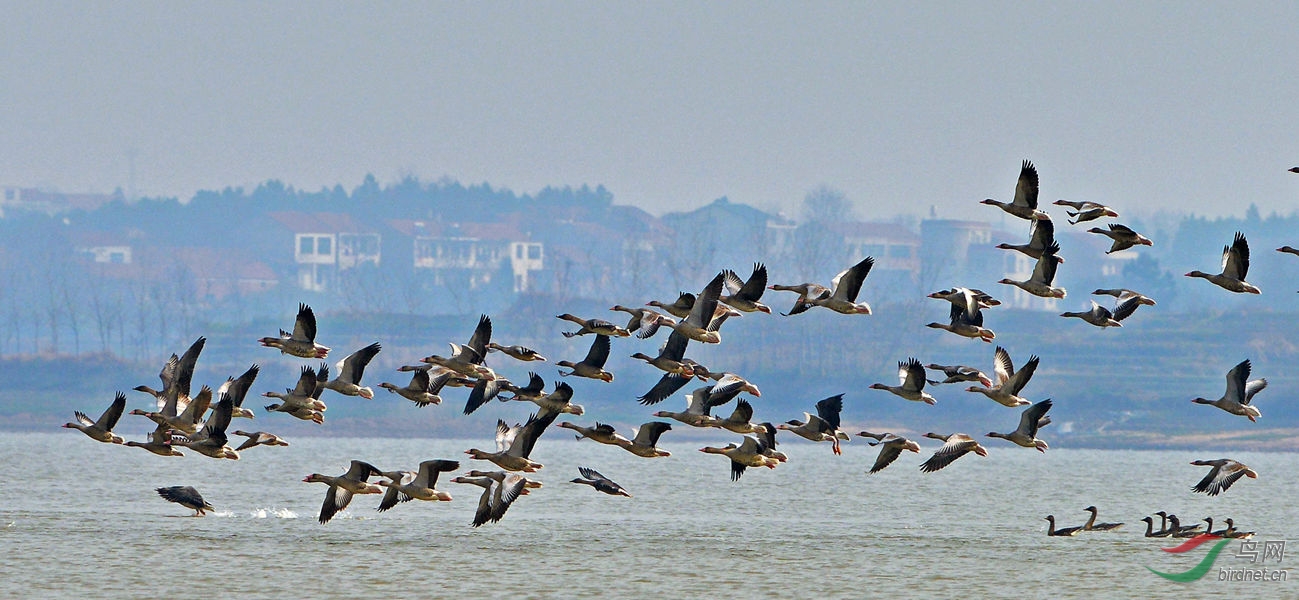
{"points": [[482, 393], [667, 385], [828, 410], [1042, 235], [1235, 260], [108, 420], [1236, 381], [336, 499], [755, 286], [1026, 187], [1029, 420], [304, 327], [507, 491], [1221, 478], [351, 368], [1044, 270], [1126, 308], [360, 470], [1002, 368], [1021, 377], [590, 473], [675, 347], [957, 445], [599, 352], [848, 283], [481, 337], [527, 436], [889, 452], [701, 314], [648, 434], [429, 469], [912, 375], [237, 387], [743, 412], [306, 385]]}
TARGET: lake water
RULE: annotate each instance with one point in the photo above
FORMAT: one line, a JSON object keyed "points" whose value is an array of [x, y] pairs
{"points": [[81, 519]]}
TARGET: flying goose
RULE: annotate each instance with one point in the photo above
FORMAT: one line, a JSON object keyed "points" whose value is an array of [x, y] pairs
{"points": [[891, 447], [645, 322], [1125, 294], [1240, 391], [602, 433], [1024, 205], [467, 360], [911, 375], [748, 453], [698, 409], [500, 490], [1235, 265], [422, 390], [520, 353], [1224, 473], [343, 487], [670, 356], [1086, 210], [404, 486], [701, 324], [1123, 237], [1041, 236], [1103, 317], [1041, 282], [744, 294], [739, 421], [597, 326], [592, 366], [645, 439], [259, 438], [350, 369], [821, 427], [846, 285], [186, 496], [599, 482], [1026, 434], [159, 442], [302, 342], [959, 373], [185, 422], [101, 430], [237, 389], [954, 446], [211, 439], [805, 291], [1009, 382], [175, 376], [966, 324], [513, 446]]}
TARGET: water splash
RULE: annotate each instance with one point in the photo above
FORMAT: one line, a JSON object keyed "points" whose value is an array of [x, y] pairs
{"points": [[279, 513]]}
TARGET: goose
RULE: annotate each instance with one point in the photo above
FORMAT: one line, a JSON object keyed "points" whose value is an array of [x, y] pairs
{"points": [[1150, 532], [1024, 205], [1086, 211], [1040, 283], [1067, 531], [302, 342], [666, 386], [343, 487], [1182, 531], [350, 369], [1124, 237], [670, 356], [599, 482], [211, 439], [744, 294], [592, 366], [644, 322], [185, 422], [259, 438], [1232, 532], [1208, 528], [404, 486], [237, 389], [483, 392], [702, 323], [1170, 525], [520, 353], [602, 433], [1026, 434], [805, 291], [597, 326], [422, 390], [159, 442], [1224, 473], [727, 387], [959, 373], [954, 446], [175, 376], [891, 447], [846, 286], [1092, 525], [768, 438], [1040, 237], [467, 360], [303, 401], [645, 439], [738, 422], [911, 375], [1240, 392], [680, 308], [1103, 317], [962, 296], [499, 492], [532, 392], [513, 446], [748, 453], [559, 401], [186, 496], [1288, 250], [821, 427], [101, 430], [697, 413], [1009, 381], [1235, 265], [966, 324], [1125, 294]]}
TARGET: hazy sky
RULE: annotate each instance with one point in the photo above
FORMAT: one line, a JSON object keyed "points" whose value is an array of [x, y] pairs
{"points": [[901, 106]]}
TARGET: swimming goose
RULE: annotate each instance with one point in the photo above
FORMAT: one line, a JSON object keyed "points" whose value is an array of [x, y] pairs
{"points": [[343, 487], [821, 427], [593, 365], [159, 442], [1040, 237], [966, 324], [1208, 528], [846, 285], [186, 496], [959, 373], [259, 438], [748, 453], [1235, 265], [1041, 282], [404, 486], [1232, 532], [422, 390], [670, 356], [520, 353], [1224, 473], [467, 360], [185, 422], [101, 430], [891, 447], [237, 389], [601, 483], [698, 407], [1067, 531], [1125, 294], [350, 369], [738, 422], [499, 492], [597, 326], [1103, 317], [211, 439], [1026, 434], [1086, 210], [1124, 237], [1150, 529], [1182, 531], [1024, 205], [805, 291], [302, 342], [911, 375], [602, 433], [645, 439], [702, 324], [954, 446], [513, 446], [1240, 391], [1009, 382], [744, 295]]}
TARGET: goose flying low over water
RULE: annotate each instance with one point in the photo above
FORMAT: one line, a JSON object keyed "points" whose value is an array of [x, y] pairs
{"points": [[601, 433], [599, 482], [101, 429], [302, 342], [186, 496], [1224, 473], [1024, 204], [350, 370], [423, 388], [591, 367], [259, 438], [954, 446], [500, 490], [748, 453], [404, 486], [644, 322], [1235, 266], [645, 439], [1240, 392], [891, 447], [237, 389], [1026, 434], [1009, 382], [468, 360], [343, 487], [911, 375], [821, 427]]}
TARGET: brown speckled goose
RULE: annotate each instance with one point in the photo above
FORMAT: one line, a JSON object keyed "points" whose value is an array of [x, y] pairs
{"points": [[101, 430], [404, 486], [1224, 473], [302, 342], [343, 487], [954, 446]]}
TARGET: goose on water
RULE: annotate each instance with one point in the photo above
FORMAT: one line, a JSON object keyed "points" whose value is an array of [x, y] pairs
{"points": [[1092, 525], [186, 496], [1066, 531]]}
